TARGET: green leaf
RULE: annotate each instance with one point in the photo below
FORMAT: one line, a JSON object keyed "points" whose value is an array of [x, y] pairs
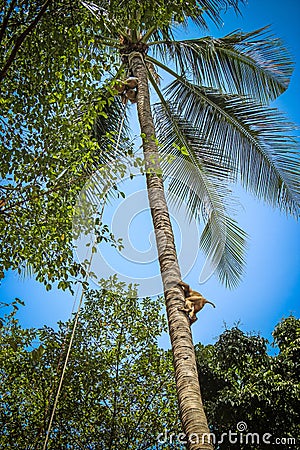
{"points": [[254, 64], [256, 141]]}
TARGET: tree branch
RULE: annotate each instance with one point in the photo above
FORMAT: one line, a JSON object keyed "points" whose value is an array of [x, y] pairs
{"points": [[6, 19], [21, 39]]}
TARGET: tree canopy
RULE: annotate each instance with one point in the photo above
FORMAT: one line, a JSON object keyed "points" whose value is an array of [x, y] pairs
{"points": [[53, 99], [58, 60], [241, 382], [118, 391]]}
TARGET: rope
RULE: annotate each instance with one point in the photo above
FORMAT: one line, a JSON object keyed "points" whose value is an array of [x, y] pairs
{"points": [[79, 306]]}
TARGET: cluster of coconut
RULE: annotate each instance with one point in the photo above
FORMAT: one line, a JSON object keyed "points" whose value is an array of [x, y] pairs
{"points": [[127, 89]]}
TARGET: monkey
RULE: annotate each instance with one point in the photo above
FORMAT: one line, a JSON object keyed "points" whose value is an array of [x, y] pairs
{"points": [[131, 82], [123, 85], [127, 89], [131, 95], [194, 301]]}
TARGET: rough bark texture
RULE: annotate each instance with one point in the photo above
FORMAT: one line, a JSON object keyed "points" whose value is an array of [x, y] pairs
{"points": [[190, 403]]}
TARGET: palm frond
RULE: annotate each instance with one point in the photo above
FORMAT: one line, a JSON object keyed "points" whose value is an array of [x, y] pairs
{"points": [[252, 137], [213, 10], [197, 181], [232, 259], [25, 271], [100, 11], [207, 199], [179, 138], [114, 16], [253, 64], [112, 133], [111, 130]]}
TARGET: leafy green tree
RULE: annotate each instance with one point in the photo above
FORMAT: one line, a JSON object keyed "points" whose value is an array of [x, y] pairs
{"points": [[118, 391], [52, 101], [242, 383], [213, 121]]}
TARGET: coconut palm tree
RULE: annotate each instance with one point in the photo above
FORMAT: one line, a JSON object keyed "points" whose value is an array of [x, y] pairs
{"points": [[214, 127]]}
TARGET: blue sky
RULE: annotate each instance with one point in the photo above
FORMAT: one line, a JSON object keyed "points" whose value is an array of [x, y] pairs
{"points": [[270, 289]]}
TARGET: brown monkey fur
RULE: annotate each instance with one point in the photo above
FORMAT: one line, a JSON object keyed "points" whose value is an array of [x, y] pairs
{"points": [[131, 95], [131, 82], [194, 301], [127, 89], [120, 86]]}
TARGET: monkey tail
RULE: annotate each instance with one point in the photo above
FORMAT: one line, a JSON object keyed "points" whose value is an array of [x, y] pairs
{"points": [[211, 303]]}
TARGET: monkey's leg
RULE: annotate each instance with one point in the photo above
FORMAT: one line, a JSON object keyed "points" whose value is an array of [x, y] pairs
{"points": [[187, 307], [187, 310], [192, 315]]}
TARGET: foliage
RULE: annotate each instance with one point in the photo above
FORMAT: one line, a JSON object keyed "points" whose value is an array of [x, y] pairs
{"points": [[213, 121], [157, 16], [210, 120], [118, 390], [53, 99], [242, 383]]}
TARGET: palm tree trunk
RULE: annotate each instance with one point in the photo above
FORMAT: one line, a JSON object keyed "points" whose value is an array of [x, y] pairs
{"points": [[190, 403]]}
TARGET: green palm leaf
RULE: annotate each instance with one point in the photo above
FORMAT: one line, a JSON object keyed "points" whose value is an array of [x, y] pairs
{"points": [[139, 16], [253, 64], [196, 180], [232, 259], [213, 9], [252, 137], [112, 133], [111, 130]]}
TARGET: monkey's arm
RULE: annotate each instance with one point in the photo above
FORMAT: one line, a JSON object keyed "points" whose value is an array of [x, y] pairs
{"points": [[187, 307]]}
